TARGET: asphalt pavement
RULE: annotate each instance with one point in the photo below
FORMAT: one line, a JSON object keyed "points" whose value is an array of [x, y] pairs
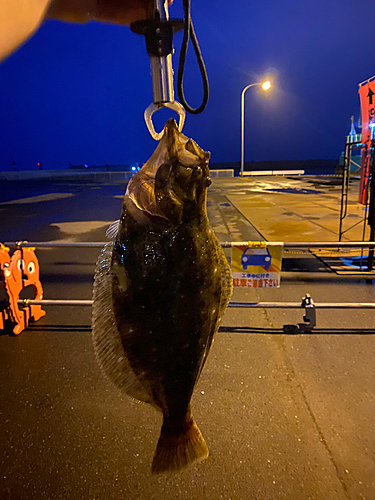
{"points": [[284, 416]]}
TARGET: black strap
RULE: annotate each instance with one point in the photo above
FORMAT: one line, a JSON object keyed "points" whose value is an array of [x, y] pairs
{"points": [[190, 33]]}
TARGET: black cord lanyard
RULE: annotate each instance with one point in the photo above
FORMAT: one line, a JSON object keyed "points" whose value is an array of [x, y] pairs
{"points": [[190, 33]]}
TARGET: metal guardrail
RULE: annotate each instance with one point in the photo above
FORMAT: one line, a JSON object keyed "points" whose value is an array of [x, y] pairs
{"points": [[225, 244], [246, 305], [310, 244], [309, 318], [307, 303]]}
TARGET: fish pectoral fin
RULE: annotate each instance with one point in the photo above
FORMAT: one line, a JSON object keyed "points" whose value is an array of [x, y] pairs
{"points": [[175, 452], [112, 230]]}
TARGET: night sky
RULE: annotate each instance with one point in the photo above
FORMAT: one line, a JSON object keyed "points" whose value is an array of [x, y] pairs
{"points": [[76, 93]]}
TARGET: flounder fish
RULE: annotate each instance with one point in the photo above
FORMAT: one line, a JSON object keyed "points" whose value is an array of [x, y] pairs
{"points": [[160, 291]]}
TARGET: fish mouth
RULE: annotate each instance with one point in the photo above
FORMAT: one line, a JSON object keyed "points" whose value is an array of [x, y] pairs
{"points": [[174, 179]]}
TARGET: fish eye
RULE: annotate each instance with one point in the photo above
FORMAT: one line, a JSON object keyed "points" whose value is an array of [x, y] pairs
{"points": [[184, 171], [31, 267], [20, 265]]}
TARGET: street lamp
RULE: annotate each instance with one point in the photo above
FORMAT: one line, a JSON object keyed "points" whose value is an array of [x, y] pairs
{"points": [[265, 86]]}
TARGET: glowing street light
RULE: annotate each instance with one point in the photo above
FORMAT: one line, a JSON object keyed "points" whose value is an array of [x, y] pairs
{"points": [[265, 86]]}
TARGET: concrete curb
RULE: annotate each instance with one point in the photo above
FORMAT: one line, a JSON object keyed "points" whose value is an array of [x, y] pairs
{"points": [[90, 176], [65, 174]]}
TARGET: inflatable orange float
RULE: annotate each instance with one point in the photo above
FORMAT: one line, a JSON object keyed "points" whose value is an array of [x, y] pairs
{"points": [[23, 271], [4, 265]]}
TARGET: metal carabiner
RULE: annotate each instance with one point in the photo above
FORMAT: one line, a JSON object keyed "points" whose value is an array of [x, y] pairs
{"points": [[153, 107]]}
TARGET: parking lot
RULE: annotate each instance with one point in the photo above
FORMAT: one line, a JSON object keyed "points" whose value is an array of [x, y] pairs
{"points": [[284, 416]]}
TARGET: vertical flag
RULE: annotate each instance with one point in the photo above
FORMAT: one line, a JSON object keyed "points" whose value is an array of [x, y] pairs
{"points": [[367, 97]]}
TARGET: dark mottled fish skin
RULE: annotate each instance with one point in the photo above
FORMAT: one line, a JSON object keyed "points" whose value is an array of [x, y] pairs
{"points": [[162, 290]]}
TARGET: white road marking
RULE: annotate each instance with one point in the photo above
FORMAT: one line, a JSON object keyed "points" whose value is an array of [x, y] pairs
{"points": [[73, 231], [38, 199]]}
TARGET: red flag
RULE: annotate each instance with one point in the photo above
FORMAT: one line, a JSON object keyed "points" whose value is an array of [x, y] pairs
{"points": [[367, 96]]}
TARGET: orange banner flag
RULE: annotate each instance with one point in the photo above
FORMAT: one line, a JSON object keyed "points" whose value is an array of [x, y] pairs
{"points": [[367, 97]]}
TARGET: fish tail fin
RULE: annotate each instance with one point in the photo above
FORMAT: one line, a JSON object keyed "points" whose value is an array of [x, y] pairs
{"points": [[174, 452]]}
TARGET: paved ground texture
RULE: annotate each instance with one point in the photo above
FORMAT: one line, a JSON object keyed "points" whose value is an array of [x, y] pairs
{"points": [[285, 416]]}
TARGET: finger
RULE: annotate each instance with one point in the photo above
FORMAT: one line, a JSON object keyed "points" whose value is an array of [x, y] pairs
{"points": [[18, 21], [111, 11]]}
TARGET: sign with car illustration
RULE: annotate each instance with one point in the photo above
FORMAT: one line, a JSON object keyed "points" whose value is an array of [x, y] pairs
{"points": [[257, 264]]}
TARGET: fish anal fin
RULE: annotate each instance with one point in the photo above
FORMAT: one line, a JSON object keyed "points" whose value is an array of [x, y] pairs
{"points": [[175, 452]]}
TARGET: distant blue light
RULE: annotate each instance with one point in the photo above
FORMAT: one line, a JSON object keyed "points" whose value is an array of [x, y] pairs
{"points": [[86, 166], [134, 169]]}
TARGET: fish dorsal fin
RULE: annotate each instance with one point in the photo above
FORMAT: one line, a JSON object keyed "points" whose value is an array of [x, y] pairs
{"points": [[108, 347]]}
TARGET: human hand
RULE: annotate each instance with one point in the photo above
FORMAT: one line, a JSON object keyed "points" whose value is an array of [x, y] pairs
{"points": [[112, 11], [19, 19]]}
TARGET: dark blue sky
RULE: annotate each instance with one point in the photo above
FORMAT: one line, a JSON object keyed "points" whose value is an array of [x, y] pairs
{"points": [[76, 93]]}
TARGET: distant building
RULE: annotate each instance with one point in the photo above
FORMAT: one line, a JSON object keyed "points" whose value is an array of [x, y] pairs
{"points": [[353, 138], [352, 128]]}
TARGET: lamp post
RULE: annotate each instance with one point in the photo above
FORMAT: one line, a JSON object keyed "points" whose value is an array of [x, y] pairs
{"points": [[265, 86]]}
